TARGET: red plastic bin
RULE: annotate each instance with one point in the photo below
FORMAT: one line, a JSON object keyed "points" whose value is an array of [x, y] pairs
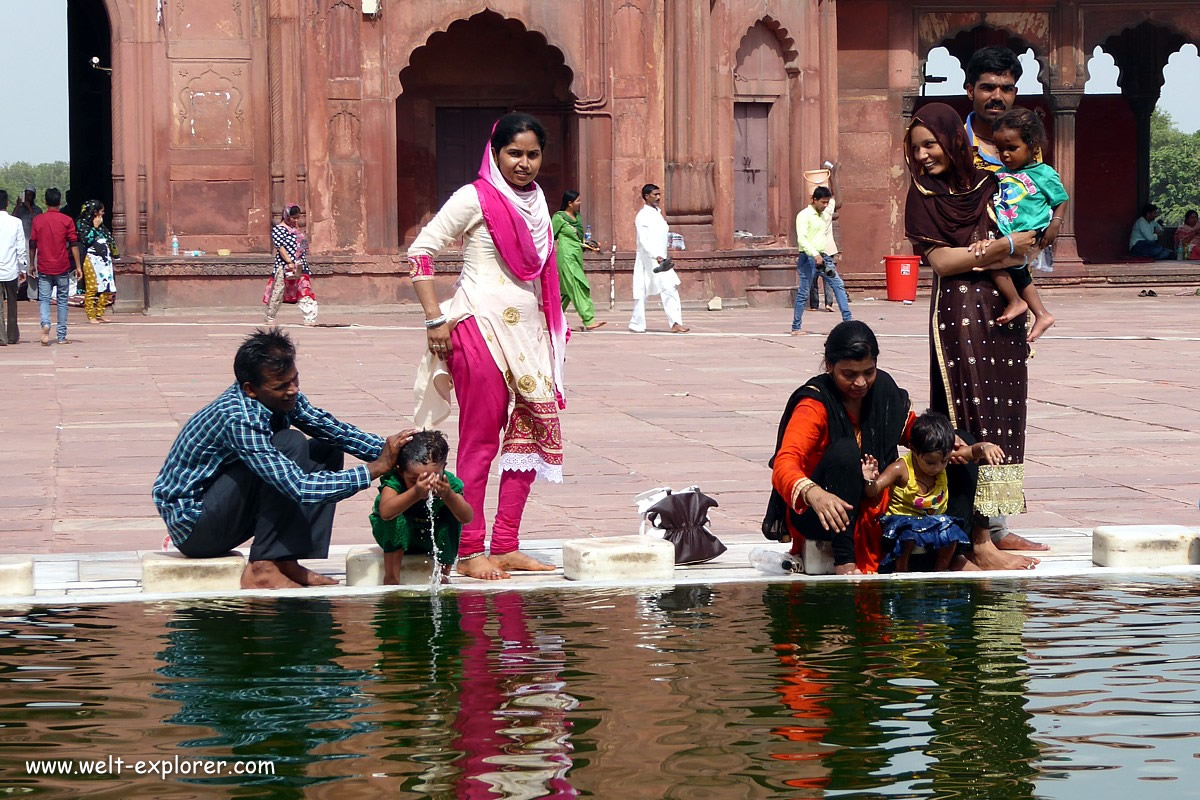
{"points": [[901, 272]]}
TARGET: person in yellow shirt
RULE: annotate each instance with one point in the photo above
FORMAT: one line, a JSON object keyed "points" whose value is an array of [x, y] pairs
{"points": [[811, 241]]}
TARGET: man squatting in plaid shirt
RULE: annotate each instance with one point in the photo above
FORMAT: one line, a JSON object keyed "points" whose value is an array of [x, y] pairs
{"points": [[238, 470]]}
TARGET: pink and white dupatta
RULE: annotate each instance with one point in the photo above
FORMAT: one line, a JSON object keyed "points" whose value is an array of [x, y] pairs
{"points": [[519, 224]]}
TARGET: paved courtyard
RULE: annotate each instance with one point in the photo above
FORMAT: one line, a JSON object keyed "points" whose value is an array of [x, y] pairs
{"points": [[1114, 412]]}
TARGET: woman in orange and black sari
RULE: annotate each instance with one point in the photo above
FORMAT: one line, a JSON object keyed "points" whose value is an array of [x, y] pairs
{"points": [[851, 410]]}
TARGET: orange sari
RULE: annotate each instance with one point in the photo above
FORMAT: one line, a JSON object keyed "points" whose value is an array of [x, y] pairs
{"points": [[804, 444]]}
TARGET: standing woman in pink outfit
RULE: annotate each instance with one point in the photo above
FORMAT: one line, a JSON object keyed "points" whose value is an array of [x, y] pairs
{"points": [[498, 342]]}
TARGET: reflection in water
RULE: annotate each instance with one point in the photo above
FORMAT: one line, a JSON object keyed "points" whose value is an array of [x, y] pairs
{"points": [[262, 675], [871, 690]]}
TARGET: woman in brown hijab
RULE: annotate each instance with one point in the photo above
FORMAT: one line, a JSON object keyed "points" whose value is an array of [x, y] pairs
{"points": [[978, 373]]}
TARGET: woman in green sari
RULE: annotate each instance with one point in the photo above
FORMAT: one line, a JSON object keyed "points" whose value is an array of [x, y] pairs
{"points": [[569, 242]]}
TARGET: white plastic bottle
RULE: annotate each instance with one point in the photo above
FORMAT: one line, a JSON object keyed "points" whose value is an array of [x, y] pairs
{"points": [[773, 562], [174, 245]]}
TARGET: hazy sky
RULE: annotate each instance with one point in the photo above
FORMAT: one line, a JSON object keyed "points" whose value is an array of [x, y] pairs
{"points": [[33, 81]]}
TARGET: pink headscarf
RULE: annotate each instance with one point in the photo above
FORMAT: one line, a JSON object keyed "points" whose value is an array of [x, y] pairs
{"points": [[519, 224]]}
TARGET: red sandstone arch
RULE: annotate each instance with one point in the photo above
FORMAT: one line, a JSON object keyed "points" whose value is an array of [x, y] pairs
{"points": [[787, 44], [451, 90], [532, 37], [967, 40]]}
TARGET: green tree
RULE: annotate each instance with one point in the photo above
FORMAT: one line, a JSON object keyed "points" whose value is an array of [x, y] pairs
{"points": [[16, 176], [1174, 168]]}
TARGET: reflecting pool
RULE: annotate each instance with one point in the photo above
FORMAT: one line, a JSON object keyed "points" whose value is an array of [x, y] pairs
{"points": [[1063, 689]]}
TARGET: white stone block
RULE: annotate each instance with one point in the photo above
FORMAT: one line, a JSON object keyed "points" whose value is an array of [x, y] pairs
{"points": [[175, 572], [16, 576], [818, 558], [619, 558], [364, 567], [1144, 546], [715, 304]]}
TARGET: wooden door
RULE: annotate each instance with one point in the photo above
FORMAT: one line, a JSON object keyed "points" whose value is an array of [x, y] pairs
{"points": [[460, 134], [750, 176]]}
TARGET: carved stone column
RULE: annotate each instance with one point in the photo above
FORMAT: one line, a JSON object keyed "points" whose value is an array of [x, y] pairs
{"points": [[689, 190], [1065, 105]]}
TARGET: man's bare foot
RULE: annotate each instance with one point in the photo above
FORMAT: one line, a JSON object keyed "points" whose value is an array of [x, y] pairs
{"points": [[482, 568], [1014, 309], [520, 562], [798, 332], [1041, 324], [1014, 541], [677, 328], [303, 575], [847, 569], [266, 575], [986, 556], [595, 325]]}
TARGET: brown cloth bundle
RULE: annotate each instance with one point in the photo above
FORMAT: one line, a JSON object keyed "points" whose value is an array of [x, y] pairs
{"points": [[683, 518]]}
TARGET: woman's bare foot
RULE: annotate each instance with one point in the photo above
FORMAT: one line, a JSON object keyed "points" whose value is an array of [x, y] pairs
{"points": [[987, 556], [961, 563], [93, 322], [520, 562], [1041, 324], [105, 320], [847, 569], [266, 575], [303, 575], [482, 568], [1013, 541], [1014, 309], [595, 325]]}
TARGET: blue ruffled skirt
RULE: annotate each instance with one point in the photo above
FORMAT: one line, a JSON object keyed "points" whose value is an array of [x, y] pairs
{"points": [[931, 532]]}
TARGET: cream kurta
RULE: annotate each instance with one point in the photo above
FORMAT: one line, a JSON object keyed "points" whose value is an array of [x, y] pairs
{"points": [[652, 233], [507, 310]]}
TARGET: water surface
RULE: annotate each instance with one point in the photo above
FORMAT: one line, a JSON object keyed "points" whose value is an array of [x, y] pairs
{"points": [[881, 690]]}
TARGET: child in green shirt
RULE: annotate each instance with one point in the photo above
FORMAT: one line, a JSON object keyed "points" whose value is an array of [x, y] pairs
{"points": [[1030, 196], [400, 520]]}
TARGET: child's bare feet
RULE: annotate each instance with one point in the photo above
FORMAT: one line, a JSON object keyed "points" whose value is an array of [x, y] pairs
{"points": [[846, 569], [1041, 324], [520, 562], [481, 568], [1014, 309]]}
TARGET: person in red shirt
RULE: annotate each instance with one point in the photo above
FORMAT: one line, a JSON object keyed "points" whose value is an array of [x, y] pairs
{"points": [[51, 239]]}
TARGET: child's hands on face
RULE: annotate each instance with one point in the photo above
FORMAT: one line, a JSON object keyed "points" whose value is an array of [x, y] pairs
{"points": [[426, 483], [870, 468], [441, 486]]}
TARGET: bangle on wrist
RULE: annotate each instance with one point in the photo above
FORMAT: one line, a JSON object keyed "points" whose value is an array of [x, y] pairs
{"points": [[1012, 247], [436, 322]]}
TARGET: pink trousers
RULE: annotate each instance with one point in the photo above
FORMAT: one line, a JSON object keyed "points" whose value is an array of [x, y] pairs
{"points": [[482, 396]]}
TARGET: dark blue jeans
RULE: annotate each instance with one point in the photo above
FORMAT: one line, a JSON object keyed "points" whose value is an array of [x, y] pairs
{"points": [[46, 284], [1153, 250], [807, 269]]}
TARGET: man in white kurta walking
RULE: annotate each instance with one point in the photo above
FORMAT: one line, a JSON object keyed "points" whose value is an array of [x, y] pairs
{"points": [[651, 253]]}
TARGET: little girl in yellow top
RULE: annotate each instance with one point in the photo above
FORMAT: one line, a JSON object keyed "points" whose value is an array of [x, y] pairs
{"points": [[916, 511]]}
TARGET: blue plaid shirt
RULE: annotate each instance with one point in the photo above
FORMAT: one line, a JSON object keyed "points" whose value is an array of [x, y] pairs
{"points": [[235, 427]]}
